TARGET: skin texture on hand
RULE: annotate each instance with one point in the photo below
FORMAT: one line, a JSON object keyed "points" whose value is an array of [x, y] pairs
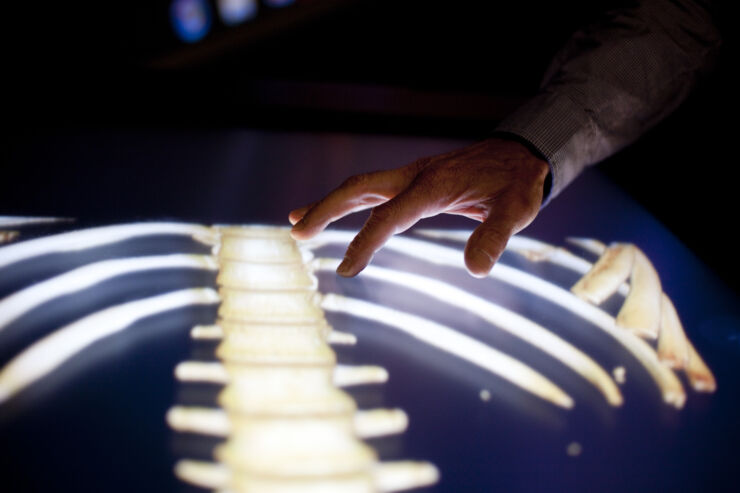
{"points": [[497, 182]]}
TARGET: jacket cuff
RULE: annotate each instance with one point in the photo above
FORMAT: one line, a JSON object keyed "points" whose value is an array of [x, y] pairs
{"points": [[552, 126]]}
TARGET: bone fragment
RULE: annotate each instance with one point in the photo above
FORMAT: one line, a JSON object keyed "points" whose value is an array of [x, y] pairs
{"points": [[673, 346], [699, 374], [7, 236], [347, 376], [216, 422], [203, 420], [15, 221], [207, 332], [217, 373], [204, 474], [640, 313], [666, 381], [404, 475], [341, 338], [606, 275]]}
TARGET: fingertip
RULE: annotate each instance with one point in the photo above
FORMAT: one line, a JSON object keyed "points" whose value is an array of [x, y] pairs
{"points": [[298, 234], [350, 267], [297, 214], [478, 262]]}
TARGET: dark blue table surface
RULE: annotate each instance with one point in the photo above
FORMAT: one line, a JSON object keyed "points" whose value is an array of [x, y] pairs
{"points": [[98, 423]]}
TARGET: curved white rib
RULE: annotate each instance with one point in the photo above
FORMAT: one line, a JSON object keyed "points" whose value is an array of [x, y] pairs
{"points": [[671, 389], [48, 353], [507, 320], [14, 221], [453, 342], [20, 302], [93, 237], [534, 250]]}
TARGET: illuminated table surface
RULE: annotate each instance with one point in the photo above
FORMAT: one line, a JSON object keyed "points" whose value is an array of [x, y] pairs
{"points": [[98, 423]]}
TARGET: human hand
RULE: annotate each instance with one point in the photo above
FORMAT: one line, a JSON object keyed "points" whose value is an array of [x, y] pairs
{"points": [[498, 182]]}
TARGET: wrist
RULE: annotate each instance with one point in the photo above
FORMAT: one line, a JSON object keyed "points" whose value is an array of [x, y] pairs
{"points": [[532, 158]]}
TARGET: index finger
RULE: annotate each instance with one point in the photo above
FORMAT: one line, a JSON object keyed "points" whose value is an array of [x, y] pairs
{"points": [[357, 193], [395, 216]]}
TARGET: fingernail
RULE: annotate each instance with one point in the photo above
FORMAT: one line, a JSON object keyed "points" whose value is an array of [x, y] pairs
{"points": [[480, 261], [344, 267]]}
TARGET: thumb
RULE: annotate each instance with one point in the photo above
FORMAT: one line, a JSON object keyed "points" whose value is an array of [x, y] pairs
{"points": [[487, 243]]}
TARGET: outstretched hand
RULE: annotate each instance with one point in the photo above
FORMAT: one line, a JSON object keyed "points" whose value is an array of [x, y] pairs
{"points": [[498, 182]]}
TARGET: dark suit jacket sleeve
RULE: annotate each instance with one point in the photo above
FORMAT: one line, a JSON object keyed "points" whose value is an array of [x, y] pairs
{"points": [[613, 81]]}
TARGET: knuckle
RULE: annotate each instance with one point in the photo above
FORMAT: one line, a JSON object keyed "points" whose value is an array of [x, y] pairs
{"points": [[493, 239], [416, 166], [356, 181], [382, 213]]}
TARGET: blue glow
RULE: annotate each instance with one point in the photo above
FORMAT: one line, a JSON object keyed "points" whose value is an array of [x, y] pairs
{"points": [[191, 19], [234, 12], [278, 3]]}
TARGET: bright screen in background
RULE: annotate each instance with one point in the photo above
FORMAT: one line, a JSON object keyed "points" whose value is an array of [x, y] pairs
{"points": [[191, 19], [233, 12]]}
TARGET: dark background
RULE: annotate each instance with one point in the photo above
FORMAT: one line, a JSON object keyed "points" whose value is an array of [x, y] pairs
{"points": [[82, 72]]}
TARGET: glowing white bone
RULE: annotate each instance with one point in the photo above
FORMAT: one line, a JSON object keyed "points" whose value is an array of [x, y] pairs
{"points": [[203, 420], [641, 310], [404, 475], [606, 275], [23, 301], [669, 385], [93, 237], [13, 221], [284, 390], [453, 342], [263, 276], [673, 346], [531, 249], [380, 422], [275, 344], [215, 332], [507, 320], [204, 474], [48, 353], [296, 446], [217, 373], [207, 332], [217, 422], [202, 371], [385, 477], [589, 244], [8, 236], [347, 376], [298, 306], [700, 376], [264, 244], [341, 338], [672, 341]]}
